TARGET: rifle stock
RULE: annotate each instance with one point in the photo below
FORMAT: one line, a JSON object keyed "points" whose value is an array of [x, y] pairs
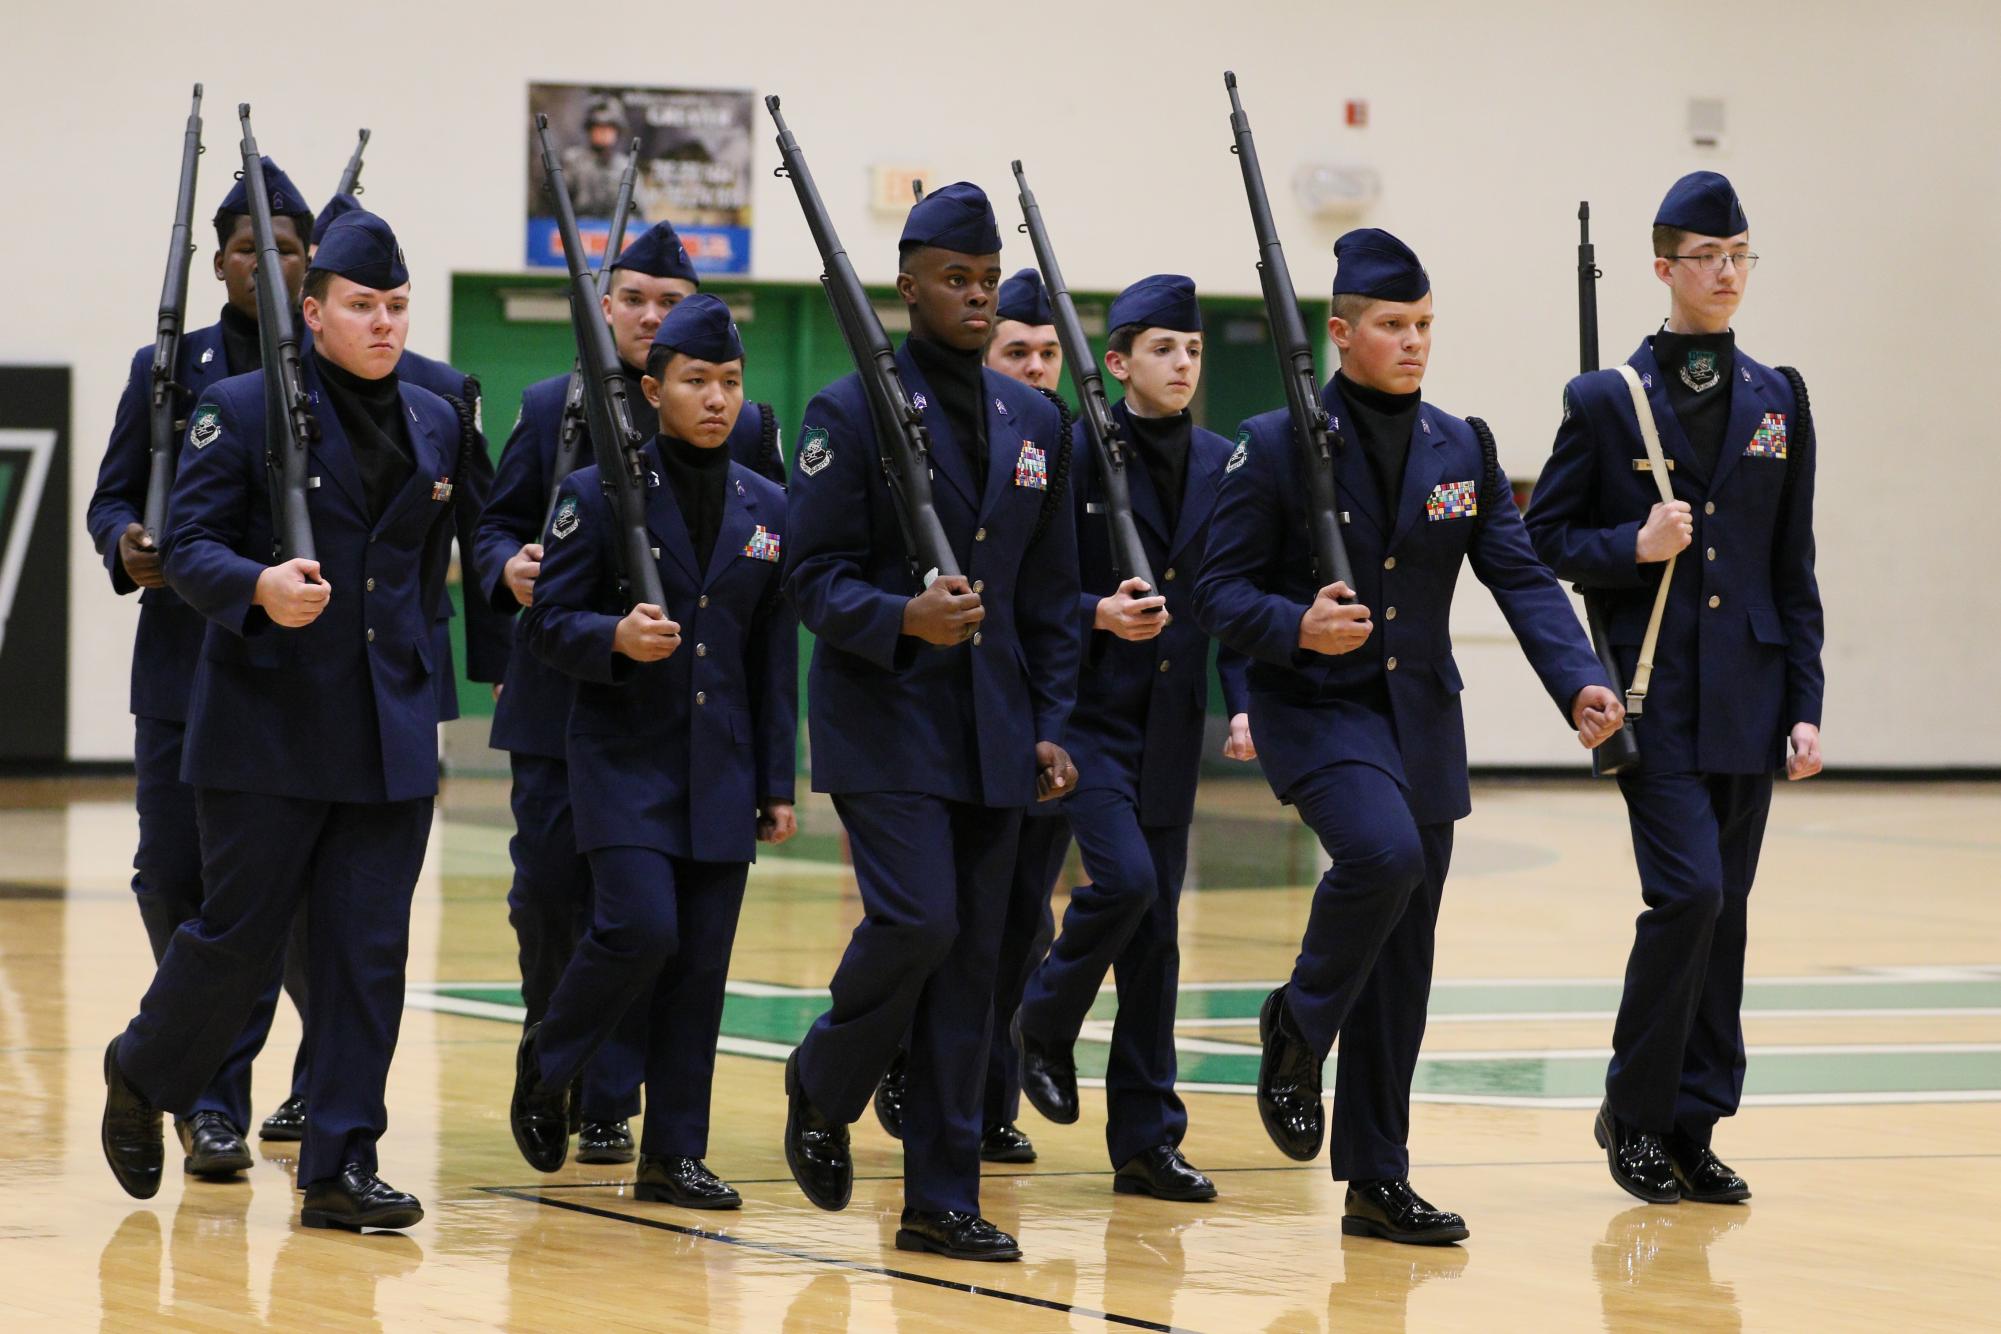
{"points": [[164, 423], [288, 418]]}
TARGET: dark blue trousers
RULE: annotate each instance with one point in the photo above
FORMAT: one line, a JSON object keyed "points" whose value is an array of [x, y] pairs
{"points": [[1364, 965], [167, 883], [659, 944], [934, 880], [355, 867], [1678, 1044], [1025, 935], [1125, 921], [549, 907]]}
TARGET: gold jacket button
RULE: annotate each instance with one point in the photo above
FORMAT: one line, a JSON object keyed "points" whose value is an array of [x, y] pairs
{"points": [[1715, 601], [1391, 665]]}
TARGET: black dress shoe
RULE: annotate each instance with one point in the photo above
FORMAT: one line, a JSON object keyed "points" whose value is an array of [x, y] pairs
{"points": [[1390, 1209], [604, 1142], [1702, 1176], [357, 1198], [1288, 1083], [539, 1115], [889, 1095], [1048, 1075], [687, 1182], [212, 1145], [287, 1124], [954, 1235], [1005, 1143], [1163, 1173], [130, 1132], [1638, 1161], [816, 1149]]}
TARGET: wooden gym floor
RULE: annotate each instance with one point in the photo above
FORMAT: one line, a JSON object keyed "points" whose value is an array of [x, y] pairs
{"points": [[1872, 1137]]}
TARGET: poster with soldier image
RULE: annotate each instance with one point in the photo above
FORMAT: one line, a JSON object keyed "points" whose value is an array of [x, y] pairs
{"points": [[694, 167]]}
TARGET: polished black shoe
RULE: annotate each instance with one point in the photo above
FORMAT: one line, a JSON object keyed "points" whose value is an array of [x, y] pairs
{"points": [[1005, 1143], [889, 1095], [1702, 1176], [687, 1182], [1163, 1173], [816, 1149], [357, 1198], [287, 1124], [212, 1145], [1638, 1161], [1288, 1083], [1048, 1075], [954, 1235], [130, 1132], [1390, 1209], [539, 1115], [604, 1142]]}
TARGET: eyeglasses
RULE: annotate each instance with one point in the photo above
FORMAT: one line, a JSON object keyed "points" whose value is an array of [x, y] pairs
{"points": [[1713, 263]]}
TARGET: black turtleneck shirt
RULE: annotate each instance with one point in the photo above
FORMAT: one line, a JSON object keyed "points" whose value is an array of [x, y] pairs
{"points": [[954, 380], [371, 413], [1383, 423], [1699, 369], [240, 347], [697, 477], [1162, 445]]}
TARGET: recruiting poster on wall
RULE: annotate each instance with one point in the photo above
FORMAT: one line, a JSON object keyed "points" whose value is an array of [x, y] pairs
{"points": [[694, 167]]}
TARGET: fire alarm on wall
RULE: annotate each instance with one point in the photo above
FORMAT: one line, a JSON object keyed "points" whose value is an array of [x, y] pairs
{"points": [[1358, 112]]}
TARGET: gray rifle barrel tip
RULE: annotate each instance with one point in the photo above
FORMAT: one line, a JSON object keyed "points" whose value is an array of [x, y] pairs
{"points": [[1015, 166], [1230, 79], [197, 90], [541, 121]]}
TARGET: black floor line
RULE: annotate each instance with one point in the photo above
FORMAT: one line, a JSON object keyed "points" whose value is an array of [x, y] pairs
{"points": [[531, 1197]]}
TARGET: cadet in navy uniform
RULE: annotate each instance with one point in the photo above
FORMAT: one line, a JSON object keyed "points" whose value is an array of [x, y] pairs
{"points": [[1360, 729], [548, 903], [312, 733], [1136, 734], [681, 754], [937, 715], [167, 868], [488, 633], [1022, 346], [1738, 671]]}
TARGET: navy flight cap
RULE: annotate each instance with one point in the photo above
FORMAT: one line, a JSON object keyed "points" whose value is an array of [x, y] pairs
{"points": [[360, 247], [286, 201], [1374, 264], [700, 326], [1703, 202], [957, 217], [1023, 298], [1163, 301], [335, 207], [658, 253]]}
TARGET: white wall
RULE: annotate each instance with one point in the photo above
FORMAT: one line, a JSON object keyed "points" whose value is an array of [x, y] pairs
{"points": [[1861, 136]]}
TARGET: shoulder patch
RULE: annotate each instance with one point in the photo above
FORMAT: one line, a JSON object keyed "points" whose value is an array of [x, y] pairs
{"points": [[206, 426], [1241, 453], [566, 519], [814, 455]]}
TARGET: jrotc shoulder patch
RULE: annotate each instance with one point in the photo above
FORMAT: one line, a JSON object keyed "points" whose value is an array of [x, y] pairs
{"points": [[1031, 467], [1769, 442], [763, 545], [206, 426], [566, 519], [1453, 500], [814, 455], [1241, 454]]}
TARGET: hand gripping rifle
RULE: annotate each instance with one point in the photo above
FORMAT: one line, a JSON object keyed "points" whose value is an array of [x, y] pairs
{"points": [[901, 440], [1128, 556], [289, 427], [618, 448], [1621, 751], [1310, 427], [165, 426], [570, 435]]}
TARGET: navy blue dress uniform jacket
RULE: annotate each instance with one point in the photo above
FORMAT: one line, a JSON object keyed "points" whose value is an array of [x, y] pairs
{"points": [[169, 637], [488, 634], [888, 712], [1394, 702], [673, 755], [531, 713], [1738, 662], [1141, 706], [285, 712]]}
